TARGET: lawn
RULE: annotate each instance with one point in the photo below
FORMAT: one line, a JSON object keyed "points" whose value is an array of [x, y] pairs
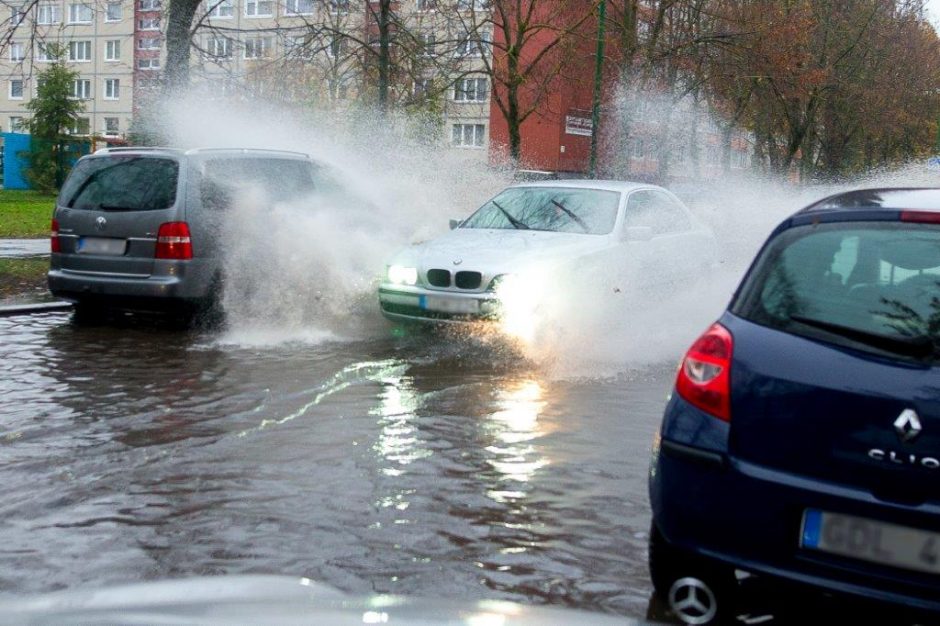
{"points": [[25, 214]]}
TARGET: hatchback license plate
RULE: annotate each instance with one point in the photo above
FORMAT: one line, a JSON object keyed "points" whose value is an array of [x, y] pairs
{"points": [[450, 305], [869, 540], [102, 245]]}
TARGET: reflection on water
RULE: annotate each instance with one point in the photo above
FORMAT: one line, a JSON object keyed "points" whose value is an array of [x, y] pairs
{"points": [[420, 466]]}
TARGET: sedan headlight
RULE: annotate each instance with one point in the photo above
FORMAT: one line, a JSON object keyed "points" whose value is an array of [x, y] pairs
{"points": [[401, 275]]}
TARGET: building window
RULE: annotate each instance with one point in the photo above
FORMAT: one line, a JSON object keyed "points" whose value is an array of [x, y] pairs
{"points": [[113, 12], [48, 14], [470, 90], [43, 54], [148, 64], [148, 23], [259, 8], [112, 88], [112, 50], [149, 5], [338, 6], [82, 126], [80, 14], [299, 7], [296, 47], [472, 45], [638, 149], [17, 52], [221, 9], [468, 135], [219, 47], [80, 51], [426, 44], [426, 5], [17, 125], [338, 46], [16, 89], [149, 43], [422, 88], [257, 47], [81, 89], [472, 5], [112, 126], [149, 84]]}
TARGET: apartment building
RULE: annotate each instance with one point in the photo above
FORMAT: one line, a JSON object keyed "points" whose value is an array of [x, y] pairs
{"points": [[98, 43]]}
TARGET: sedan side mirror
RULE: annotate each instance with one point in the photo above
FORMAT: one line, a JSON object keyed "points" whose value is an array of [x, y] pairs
{"points": [[455, 223], [637, 233]]}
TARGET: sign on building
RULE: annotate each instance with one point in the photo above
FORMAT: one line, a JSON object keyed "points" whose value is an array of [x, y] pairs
{"points": [[579, 123]]}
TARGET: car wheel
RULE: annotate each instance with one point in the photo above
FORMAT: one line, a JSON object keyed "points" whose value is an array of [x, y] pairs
{"points": [[695, 590], [209, 312]]}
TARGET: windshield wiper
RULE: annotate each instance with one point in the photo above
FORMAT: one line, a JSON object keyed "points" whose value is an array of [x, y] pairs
{"points": [[571, 214], [515, 222], [918, 347]]}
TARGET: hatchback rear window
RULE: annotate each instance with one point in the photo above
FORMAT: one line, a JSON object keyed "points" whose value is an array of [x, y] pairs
{"points": [[873, 286], [121, 183]]}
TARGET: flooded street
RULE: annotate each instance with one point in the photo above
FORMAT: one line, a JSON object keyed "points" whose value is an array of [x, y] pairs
{"points": [[426, 465]]}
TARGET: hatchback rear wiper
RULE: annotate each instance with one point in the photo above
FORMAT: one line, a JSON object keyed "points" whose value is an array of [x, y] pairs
{"points": [[512, 220], [113, 207], [918, 347]]}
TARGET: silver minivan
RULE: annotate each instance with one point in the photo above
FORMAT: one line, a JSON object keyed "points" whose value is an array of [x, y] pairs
{"points": [[139, 228]]}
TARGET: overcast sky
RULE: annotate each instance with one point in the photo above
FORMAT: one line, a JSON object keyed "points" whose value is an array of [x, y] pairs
{"points": [[933, 8]]}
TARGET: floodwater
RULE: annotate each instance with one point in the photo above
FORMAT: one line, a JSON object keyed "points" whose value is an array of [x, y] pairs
{"points": [[425, 465]]}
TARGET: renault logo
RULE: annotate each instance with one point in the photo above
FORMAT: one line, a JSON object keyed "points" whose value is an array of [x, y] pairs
{"points": [[100, 223], [907, 426]]}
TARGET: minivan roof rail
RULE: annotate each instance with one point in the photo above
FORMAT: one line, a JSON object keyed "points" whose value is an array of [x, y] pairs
{"points": [[135, 149], [197, 150], [246, 151]]}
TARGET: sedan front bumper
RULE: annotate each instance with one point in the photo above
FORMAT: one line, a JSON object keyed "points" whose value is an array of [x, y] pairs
{"points": [[413, 303]]}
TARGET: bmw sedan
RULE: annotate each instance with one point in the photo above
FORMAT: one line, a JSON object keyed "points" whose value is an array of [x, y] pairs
{"points": [[601, 230], [801, 443]]}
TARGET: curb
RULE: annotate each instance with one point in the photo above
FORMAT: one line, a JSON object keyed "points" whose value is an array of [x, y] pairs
{"points": [[28, 309]]}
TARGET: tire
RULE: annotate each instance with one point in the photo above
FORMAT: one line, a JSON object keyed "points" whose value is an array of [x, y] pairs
{"points": [[696, 591], [88, 314]]}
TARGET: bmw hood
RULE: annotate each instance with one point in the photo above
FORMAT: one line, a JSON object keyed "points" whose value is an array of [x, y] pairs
{"points": [[493, 251]]}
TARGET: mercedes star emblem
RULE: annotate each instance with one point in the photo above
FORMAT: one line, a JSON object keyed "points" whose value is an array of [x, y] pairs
{"points": [[907, 425]]}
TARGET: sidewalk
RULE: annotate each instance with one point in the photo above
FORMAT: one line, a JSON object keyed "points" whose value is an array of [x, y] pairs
{"points": [[19, 248]]}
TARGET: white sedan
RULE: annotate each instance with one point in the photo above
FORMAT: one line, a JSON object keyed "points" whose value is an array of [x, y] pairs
{"points": [[610, 235]]}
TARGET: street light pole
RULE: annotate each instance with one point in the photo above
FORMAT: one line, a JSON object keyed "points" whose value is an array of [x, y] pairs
{"points": [[598, 76]]}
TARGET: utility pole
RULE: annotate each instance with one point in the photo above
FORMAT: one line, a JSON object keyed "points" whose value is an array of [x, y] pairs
{"points": [[598, 79]]}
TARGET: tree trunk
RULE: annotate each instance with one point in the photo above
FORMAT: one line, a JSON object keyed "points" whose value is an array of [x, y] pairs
{"points": [[178, 42], [385, 15]]}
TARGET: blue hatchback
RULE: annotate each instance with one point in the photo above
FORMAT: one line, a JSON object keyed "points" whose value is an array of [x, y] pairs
{"points": [[802, 441]]}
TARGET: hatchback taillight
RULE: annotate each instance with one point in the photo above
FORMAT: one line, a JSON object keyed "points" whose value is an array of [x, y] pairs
{"points": [[54, 236], [173, 241], [704, 379]]}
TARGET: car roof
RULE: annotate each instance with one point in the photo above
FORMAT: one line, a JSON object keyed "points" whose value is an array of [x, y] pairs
{"points": [[621, 186], [230, 152], [888, 198]]}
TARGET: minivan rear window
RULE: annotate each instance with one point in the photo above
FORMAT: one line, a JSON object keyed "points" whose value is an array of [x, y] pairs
{"points": [[121, 183], [871, 285]]}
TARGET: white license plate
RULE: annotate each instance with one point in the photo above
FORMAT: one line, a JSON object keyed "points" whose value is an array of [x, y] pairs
{"points": [[443, 304], [102, 245], [868, 540]]}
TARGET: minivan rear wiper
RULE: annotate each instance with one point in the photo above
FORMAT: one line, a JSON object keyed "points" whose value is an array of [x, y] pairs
{"points": [[918, 347], [516, 223]]}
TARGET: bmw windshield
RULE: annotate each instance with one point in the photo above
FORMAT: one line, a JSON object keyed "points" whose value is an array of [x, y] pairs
{"points": [[557, 209]]}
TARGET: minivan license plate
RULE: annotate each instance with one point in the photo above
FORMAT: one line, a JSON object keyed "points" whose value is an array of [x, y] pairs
{"points": [[102, 245], [869, 540], [441, 304]]}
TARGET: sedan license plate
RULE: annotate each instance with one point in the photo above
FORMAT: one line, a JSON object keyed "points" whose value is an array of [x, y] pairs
{"points": [[102, 245], [443, 304], [869, 540]]}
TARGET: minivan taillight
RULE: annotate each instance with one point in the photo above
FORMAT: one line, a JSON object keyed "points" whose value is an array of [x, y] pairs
{"points": [[54, 236], [173, 241], [704, 379]]}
